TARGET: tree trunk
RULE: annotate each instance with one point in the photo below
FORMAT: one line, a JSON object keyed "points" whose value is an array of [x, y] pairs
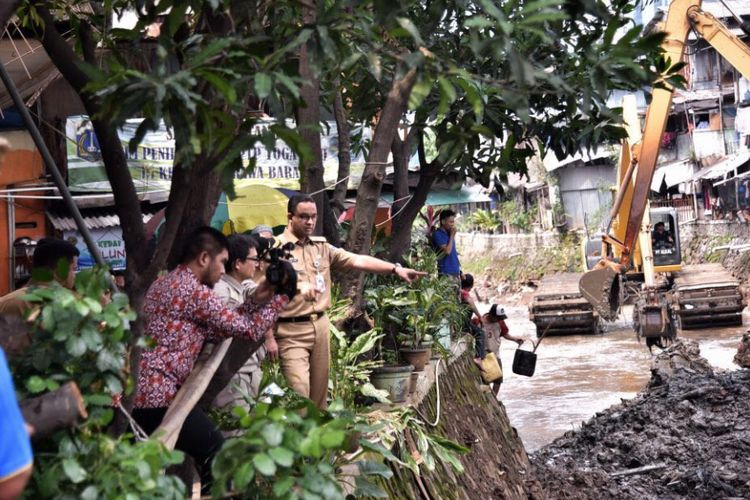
{"points": [[205, 197], [368, 194], [344, 147], [402, 223], [127, 204], [54, 410], [14, 334], [236, 356], [308, 121]]}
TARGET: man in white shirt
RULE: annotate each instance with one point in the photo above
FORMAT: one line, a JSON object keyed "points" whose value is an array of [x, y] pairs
{"points": [[233, 287]]}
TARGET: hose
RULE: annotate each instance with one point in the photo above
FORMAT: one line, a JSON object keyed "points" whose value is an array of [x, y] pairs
{"points": [[437, 388]]}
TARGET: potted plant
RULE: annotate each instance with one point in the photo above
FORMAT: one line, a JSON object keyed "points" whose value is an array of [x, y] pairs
{"points": [[393, 377], [383, 304], [416, 342]]}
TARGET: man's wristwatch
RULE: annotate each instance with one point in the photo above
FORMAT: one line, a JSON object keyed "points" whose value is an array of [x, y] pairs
{"points": [[395, 266]]}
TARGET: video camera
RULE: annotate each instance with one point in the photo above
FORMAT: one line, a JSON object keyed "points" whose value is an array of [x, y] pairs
{"points": [[280, 272]]}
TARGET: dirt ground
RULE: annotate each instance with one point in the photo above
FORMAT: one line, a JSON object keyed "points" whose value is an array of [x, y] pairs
{"points": [[687, 435]]}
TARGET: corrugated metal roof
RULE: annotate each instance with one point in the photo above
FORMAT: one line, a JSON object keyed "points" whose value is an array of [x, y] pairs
{"points": [[102, 221], [722, 168], [552, 162], [672, 174]]}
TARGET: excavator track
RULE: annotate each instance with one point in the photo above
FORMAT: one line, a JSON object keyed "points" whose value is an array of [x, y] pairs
{"points": [[707, 295], [558, 307]]}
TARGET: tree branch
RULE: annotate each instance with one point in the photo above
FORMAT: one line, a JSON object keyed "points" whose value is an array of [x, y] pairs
{"points": [[344, 146], [360, 234], [54, 410]]}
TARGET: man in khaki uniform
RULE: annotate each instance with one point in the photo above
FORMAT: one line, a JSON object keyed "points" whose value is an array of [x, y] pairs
{"points": [[47, 253], [303, 328]]}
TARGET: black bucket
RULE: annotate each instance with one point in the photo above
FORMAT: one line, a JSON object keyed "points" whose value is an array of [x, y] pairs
{"points": [[524, 363]]}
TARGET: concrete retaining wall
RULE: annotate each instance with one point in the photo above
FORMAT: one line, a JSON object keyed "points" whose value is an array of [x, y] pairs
{"points": [[713, 241], [496, 465], [713, 228], [474, 245]]}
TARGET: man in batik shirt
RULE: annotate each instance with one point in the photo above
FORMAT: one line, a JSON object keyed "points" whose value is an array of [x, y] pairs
{"points": [[181, 314]]}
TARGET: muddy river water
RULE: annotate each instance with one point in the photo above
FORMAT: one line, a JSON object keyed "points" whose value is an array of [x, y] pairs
{"points": [[577, 376]]}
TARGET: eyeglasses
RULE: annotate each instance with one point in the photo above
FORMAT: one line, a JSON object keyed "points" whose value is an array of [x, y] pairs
{"points": [[254, 259], [306, 217]]}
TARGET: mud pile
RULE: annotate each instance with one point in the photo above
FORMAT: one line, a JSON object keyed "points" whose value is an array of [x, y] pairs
{"points": [[742, 357], [687, 435]]}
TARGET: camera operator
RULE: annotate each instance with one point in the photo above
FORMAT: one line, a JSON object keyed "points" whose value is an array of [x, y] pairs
{"points": [[302, 330], [181, 314], [243, 267]]}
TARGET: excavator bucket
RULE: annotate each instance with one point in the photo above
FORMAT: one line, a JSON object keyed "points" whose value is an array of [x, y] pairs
{"points": [[601, 287]]}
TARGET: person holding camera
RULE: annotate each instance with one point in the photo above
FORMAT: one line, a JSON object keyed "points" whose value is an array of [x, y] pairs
{"points": [[182, 312], [303, 329], [243, 266]]}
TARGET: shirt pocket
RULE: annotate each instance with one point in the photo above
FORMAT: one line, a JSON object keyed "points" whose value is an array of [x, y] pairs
{"points": [[299, 267]]}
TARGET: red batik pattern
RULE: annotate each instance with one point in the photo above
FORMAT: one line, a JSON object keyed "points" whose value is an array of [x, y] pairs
{"points": [[181, 315]]}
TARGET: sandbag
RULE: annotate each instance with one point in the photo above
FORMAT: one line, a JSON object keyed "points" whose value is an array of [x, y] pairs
{"points": [[491, 369]]}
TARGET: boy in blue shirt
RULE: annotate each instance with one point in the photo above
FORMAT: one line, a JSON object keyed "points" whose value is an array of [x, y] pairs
{"points": [[444, 239], [15, 448]]}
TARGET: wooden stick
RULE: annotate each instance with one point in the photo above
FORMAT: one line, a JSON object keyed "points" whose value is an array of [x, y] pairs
{"points": [[638, 470], [54, 410], [235, 358], [189, 395]]}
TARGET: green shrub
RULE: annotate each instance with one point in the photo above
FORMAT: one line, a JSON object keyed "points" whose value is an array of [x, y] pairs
{"points": [[293, 453], [90, 466], [75, 337]]}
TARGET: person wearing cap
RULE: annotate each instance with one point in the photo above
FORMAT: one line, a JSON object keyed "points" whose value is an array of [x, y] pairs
{"points": [[495, 327], [302, 331], [263, 231]]}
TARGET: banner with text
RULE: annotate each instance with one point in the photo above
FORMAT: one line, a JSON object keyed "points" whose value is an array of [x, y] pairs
{"points": [[151, 163], [110, 243]]}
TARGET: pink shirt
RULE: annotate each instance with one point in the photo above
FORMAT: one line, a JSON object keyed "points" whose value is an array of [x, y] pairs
{"points": [[181, 315]]}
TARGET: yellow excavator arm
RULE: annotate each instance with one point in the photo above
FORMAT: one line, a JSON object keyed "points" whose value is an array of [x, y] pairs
{"points": [[600, 286]]}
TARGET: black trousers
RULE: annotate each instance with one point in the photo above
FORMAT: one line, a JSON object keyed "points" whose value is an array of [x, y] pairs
{"points": [[199, 438]]}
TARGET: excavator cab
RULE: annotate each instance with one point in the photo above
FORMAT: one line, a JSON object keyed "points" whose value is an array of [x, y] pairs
{"points": [[665, 239]]}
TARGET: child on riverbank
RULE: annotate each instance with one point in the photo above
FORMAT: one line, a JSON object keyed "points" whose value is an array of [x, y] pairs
{"points": [[495, 329], [473, 323]]}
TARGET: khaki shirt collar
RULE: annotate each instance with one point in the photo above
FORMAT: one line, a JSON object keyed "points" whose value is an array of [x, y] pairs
{"points": [[290, 237]]}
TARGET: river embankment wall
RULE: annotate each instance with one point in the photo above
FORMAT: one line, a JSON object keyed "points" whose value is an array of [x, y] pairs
{"points": [[517, 259], [717, 241], [496, 465], [478, 245]]}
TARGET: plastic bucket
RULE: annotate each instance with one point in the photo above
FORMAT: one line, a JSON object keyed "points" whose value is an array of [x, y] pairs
{"points": [[524, 363]]}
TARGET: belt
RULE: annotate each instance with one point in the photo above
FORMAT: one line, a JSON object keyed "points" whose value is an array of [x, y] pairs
{"points": [[302, 319]]}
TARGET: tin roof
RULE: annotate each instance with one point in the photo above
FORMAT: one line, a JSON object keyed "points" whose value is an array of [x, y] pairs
{"points": [[100, 220]]}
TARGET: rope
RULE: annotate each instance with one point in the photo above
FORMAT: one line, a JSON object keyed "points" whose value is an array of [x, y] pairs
{"points": [[138, 431], [399, 211], [437, 396]]}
